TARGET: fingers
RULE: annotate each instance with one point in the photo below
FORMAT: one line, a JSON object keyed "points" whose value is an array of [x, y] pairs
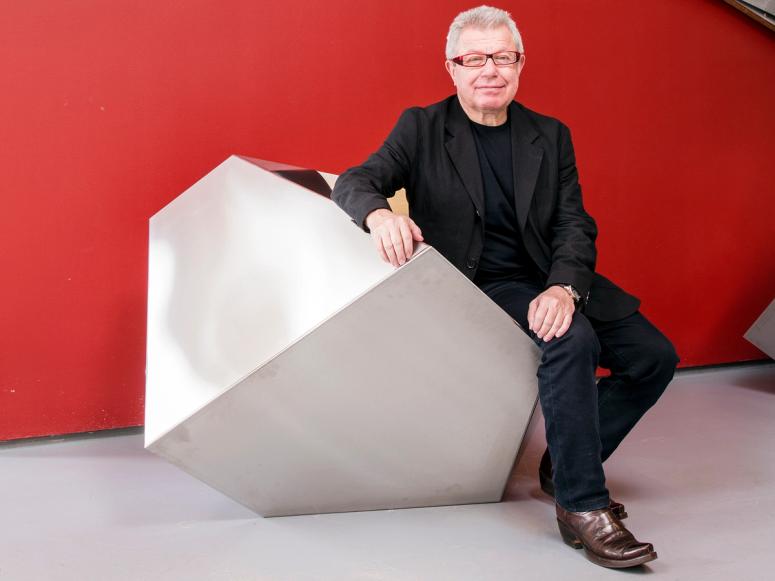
{"points": [[416, 232], [531, 313], [380, 248], [406, 239], [390, 249], [390, 246], [540, 316], [550, 315], [556, 325], [546, 321], [394, 238], [398, 244], [565, 325], [387, 244]]}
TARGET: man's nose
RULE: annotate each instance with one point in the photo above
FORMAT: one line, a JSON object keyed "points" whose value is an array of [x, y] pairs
{"points": [[489, 66]]}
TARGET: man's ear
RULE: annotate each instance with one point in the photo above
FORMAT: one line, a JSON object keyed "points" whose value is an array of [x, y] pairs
{"points": [[450, 66], [521, 63]]}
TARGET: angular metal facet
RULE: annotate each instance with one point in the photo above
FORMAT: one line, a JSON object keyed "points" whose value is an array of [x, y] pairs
{"points": [[293, 370], [762, 332]]}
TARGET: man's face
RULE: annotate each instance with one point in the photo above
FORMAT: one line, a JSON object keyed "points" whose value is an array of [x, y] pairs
{"points": [[491, 88]]}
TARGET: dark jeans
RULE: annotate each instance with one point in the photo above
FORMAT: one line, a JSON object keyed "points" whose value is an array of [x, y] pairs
{"points": [[585, 421]]}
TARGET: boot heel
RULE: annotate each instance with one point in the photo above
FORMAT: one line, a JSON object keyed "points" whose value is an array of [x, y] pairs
{"points": [[568, 536]]}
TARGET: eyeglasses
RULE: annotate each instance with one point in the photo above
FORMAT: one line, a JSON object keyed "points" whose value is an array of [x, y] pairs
{"points": [[478, 60]]}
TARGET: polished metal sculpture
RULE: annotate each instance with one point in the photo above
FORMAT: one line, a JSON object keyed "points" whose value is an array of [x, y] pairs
{"points": [[293, 370]]}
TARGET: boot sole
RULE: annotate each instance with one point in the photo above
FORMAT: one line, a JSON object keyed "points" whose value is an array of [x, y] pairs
{"points": [[573, 541]]}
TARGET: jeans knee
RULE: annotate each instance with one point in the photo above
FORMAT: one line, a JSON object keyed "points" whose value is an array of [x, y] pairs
{"points": [[583, 336], [661, 361], [667, 357], [579, 340]]}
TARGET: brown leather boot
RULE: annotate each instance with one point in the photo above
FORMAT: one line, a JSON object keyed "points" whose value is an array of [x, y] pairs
{"points": [[547, 485], [605, 540]]}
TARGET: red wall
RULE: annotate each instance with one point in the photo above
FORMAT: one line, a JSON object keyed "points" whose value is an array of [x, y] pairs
{"points": [[110, 109]]}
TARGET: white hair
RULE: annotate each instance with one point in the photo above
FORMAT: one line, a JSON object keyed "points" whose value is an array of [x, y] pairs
{"points": [[484, 17]]}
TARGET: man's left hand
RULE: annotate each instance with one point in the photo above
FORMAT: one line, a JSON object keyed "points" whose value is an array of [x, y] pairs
{"points": [[550, 313]]}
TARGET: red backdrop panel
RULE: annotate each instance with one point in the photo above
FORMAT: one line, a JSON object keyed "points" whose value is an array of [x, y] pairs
{"points": [[111, 109]]}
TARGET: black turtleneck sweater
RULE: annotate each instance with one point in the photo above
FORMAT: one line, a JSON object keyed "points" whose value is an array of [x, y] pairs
{"points": [[504, 256]]}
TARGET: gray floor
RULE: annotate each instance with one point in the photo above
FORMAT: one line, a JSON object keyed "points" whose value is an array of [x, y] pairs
{"points": [[697, 477]]}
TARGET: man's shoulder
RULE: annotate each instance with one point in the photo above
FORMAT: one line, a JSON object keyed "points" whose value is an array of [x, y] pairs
{"points": [[428, 117], [420, 122], [541, 121], [553, 132], [430, 112]]}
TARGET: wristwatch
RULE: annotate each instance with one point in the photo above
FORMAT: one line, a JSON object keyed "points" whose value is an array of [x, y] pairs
{"points": [[574, 294]]}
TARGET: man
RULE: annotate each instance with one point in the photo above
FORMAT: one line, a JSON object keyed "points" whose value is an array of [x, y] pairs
{"points": [[493, 186]]}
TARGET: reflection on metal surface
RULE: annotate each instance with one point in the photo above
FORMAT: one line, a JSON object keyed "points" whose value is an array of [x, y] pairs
{"points": [[306, 178], [293, 370]]}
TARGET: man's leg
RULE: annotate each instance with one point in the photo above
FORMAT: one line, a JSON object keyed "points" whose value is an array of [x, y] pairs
{"points": [[642, 362], [569, 400]]}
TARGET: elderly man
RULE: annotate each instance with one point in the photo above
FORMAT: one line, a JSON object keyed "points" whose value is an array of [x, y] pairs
{"points": [[493, 186]]}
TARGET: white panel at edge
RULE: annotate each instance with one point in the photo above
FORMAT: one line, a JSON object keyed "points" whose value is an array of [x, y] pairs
{"points": [[762, 332]]}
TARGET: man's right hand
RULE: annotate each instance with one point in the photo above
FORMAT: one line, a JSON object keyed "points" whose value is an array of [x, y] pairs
{"points": [[393, 235]]}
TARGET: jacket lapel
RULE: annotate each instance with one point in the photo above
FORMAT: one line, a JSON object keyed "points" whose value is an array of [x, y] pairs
{"points": [[462, 151], [527, 161]]}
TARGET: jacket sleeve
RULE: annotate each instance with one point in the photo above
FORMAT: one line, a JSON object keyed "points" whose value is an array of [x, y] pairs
{"points": [[362, 189], [573, 230]]}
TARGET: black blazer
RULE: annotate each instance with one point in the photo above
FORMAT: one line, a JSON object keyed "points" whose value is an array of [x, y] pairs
{"points": [[431, 152]]}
